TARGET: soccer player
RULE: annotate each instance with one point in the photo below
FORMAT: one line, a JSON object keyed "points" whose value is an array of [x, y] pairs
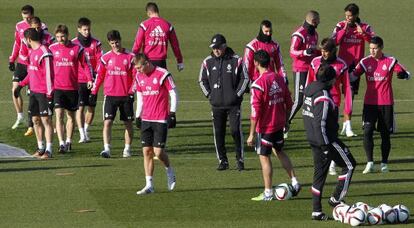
{"points": [[153, 36], [271, 104], [378, 112], [20, 69], [115, 71], [154, 86], [321, 123], [350, 35], [342, 84], [223, 82], [303, 48], [93, 52], [68, 58], [40, 71], [263, 41]]}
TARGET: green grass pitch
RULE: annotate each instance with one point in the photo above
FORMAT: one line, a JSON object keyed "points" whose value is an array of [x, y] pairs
{"points": [[50, 193]]}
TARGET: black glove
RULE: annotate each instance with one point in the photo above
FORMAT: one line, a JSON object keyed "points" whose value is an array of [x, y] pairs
{"points": [[351, 67], [172, 121], [309, 51], [403, 75], [12, 67], [138, 122], [92, 99], [16, 92]]}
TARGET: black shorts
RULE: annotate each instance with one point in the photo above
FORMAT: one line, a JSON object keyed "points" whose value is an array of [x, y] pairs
{"points": [[153, 134], [265, 142], [84, 93], [20, 73], [67, 99], [124, 104], [39, 105], [380, 116], [159, 63]]}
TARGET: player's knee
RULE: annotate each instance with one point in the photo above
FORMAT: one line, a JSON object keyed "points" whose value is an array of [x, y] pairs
{"points": [[368, 128], [36, 120]]}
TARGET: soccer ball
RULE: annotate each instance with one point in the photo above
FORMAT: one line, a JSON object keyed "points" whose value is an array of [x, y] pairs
{"points": [[363, 206], [355, 216], [375, 216], [390, 216], [402, 212], [339, 212], [283, 191]]}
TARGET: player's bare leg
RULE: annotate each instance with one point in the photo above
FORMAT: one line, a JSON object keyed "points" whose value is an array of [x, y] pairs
{"points": [[148, 153], [70, 125], [107, 135], [163, 157], [80, 122], [47, 123], [18, 106], [129, 134], [60, 128]]}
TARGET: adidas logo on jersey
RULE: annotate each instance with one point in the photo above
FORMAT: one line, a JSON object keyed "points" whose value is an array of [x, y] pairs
{"points": [[157, 32]]}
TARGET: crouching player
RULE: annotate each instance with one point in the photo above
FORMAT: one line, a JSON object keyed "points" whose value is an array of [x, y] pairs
{"points": [[320, 116], [154, 85]]}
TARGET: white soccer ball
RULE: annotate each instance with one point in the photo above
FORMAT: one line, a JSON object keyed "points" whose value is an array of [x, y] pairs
{"points": [[390, 216], [339, 212], [283, 191], [363, 206], [355, 216], [402, 213], [374, 216]]}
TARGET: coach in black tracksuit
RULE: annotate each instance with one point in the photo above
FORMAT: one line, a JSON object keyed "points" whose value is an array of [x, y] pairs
{"points": [[222, 81], [320, 117]]}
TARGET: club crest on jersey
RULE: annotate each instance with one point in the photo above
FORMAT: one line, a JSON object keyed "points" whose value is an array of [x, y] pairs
{"points": [[155, 81], [228, 68], [384, 67], [92, 46], [142, 82], [369, 69], [125, 62], [110, 62], [71, 52], [36, 57], [57, 53]]}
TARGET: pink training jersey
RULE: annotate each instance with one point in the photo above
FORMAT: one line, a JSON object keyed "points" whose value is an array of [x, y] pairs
{"points": [[154, 88], [93, 53], [351, 43], [47, 39], [378, 74], [18, 38], [153, 36], [302, 40], [342, 84], [272, 48], [115, 70], [67, 59], [270, 102], [40, 71]]}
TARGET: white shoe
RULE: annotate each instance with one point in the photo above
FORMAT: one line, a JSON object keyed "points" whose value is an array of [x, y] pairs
{"points": [[146, 190], [350, 133], [369, 168], [82, 140], [17, 123], [285, 135], [332, 171], [106, 154], [384, 168], [87, 137], [171, 180], [126, 153], [343, 129]]}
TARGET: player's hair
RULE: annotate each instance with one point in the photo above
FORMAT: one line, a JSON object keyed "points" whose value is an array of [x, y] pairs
{"points": [[378, 41], [140, 58], [325, 73], [152, 6], [35, 20], [113, 35], [266, 23], [262, 57], [32, 34], [328, 44], [312, 13], [62, 29], [28, 9], [353, 8], [83, 21]]}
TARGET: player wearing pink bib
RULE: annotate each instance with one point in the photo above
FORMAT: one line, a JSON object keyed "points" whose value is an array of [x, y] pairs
{"points": [[263, 42], [378, 113], [153, 36], [40, 80], [68, 58], [93, 52], [350, 36], [271, 104], [154, 86], [115, 71]]}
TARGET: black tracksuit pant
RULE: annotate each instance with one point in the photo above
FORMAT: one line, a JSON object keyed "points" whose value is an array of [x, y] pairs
{"points": [[219, 116], [322, 157]]}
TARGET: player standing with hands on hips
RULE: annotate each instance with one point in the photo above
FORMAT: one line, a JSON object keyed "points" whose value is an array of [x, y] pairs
{"points": [[154, 86]]}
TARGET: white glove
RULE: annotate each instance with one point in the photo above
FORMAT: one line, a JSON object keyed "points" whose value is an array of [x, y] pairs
{"points": [[180, 66]]}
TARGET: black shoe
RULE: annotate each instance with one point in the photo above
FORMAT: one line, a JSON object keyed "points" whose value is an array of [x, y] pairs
{"points": [[333, 202], [320, 217], [240, 165], [68, 146], [296, 189], [223, 166], [62, 149]]}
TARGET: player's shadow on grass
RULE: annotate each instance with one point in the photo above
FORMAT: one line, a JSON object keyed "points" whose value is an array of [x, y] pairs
{"points": [[29, 169]]}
